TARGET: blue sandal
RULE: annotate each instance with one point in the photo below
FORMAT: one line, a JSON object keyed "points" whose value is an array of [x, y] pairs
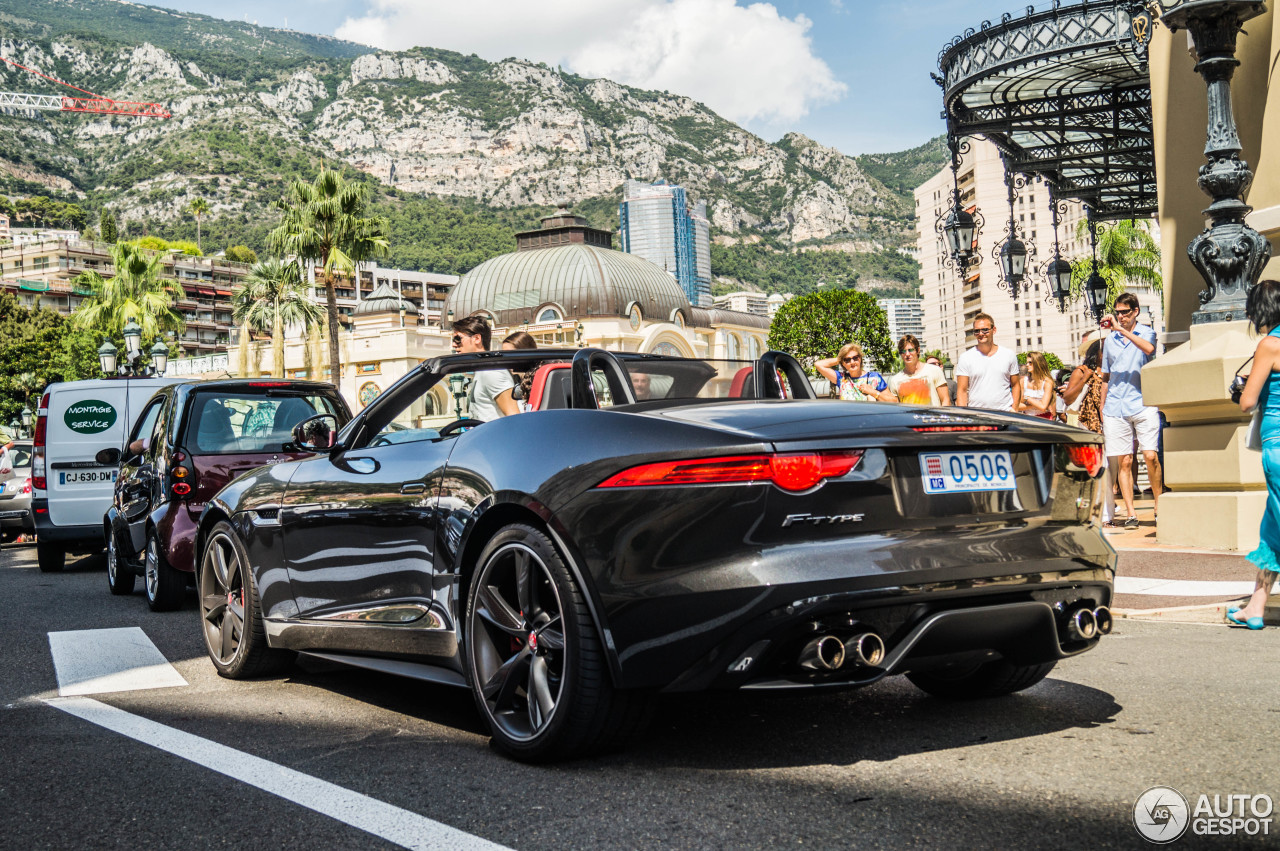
{"points": [[1251, 623]]}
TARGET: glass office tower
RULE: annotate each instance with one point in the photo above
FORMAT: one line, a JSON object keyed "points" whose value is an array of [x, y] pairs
{"points": [[659, 225]]}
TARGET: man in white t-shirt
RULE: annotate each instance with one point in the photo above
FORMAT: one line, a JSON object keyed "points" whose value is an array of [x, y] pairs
{"points": [[490, 396], [987, 374]]}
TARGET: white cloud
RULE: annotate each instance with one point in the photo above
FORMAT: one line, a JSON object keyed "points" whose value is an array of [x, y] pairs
{"points": [[748, 63]]}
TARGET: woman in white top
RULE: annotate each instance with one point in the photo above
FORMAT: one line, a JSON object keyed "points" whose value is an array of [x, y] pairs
{"points": [[1038, 395]]}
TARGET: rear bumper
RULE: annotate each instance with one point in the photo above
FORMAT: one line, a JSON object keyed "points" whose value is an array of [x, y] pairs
{"points": [[16, 518], [77, 539]]}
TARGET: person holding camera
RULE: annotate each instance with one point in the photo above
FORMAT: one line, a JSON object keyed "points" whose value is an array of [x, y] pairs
{"points": [[1128, 347], [1262, 389]]}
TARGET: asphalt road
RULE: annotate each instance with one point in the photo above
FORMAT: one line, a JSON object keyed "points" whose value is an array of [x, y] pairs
{"points": [[1059, 766]]}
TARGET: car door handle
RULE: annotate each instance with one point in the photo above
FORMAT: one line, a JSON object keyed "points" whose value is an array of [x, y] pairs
{"points": [[413, 487]]}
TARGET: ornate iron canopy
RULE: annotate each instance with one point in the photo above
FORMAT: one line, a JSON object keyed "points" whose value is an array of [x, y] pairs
{"points": [[1064, 94]]}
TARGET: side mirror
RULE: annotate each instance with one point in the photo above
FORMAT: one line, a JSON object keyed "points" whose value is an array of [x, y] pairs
{"points": [[108, 457], [316, 434]]}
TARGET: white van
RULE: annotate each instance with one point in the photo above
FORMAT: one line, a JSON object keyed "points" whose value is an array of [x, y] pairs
{"points": [[70, 491]]}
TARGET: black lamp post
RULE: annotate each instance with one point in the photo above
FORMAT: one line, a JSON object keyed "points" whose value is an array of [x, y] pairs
{"points": [[26, 418], [160, 357], [458, 387], [1012, 254], [132, 340], [957, 226], [1095, 288], [1057, 271], [1229, 254]]}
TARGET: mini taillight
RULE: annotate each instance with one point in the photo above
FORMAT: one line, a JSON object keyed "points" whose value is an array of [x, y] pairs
{"points": [[179, 472], [270, 384], [792, 472], [182, 489], [37, 455], [1087, 456], [26, 486]]}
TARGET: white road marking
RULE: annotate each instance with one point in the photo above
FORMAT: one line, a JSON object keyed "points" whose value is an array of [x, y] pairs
{"points": [[93, 661], [393, 824], [1182, 587]]}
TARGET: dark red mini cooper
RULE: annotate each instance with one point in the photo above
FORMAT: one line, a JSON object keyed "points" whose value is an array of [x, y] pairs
{"points": [[190, 440]]}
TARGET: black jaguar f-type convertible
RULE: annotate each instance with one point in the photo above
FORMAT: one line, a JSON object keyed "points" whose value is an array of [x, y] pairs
{"points": [[725, 530]]}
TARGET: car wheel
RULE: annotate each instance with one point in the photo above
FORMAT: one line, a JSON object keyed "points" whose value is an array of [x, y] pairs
{"points": [[51, 558], [534, 662], [989, 679], [230, 613], [164, 584], [120, 576]]}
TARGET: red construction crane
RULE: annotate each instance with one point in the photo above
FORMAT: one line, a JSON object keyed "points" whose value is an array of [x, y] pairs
{"points": [[65, 103]]}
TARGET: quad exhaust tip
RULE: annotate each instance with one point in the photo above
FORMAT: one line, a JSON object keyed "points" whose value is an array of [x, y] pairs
{"points": [[831, 653], [1083, 625], [1102, 617]]}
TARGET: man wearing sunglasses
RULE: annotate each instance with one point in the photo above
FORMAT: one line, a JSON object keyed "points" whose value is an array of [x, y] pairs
{"points": [[1125, 418], [490, 396], [987, 374]]}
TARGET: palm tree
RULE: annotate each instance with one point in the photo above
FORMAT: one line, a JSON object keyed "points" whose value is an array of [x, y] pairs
{"points": [[135, 292], [324, 224], [198, 208], [272, 296], [1126, 253]]}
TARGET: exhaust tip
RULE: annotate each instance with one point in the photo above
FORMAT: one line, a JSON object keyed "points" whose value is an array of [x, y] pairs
{"points": [[1102, 617], [865, 649], [823, 654], [1082, 625]]}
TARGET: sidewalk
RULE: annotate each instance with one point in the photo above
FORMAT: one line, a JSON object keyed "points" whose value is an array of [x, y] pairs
{"points": [[1177, 583]]}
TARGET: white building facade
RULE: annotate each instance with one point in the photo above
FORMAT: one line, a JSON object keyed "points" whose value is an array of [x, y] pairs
{"points": [[905, 316]]}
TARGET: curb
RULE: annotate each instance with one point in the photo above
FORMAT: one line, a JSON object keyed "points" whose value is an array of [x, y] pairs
{"points": [[1215, 613]]}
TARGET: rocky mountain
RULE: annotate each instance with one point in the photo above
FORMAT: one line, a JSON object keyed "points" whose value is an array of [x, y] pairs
{"points": [[425, 122]]}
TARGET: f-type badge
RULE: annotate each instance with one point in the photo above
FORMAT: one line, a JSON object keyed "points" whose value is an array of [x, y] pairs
{"points": [[821, 519]]}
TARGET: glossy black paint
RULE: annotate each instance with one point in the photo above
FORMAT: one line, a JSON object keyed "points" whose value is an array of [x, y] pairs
{"points": [[685, 582]]}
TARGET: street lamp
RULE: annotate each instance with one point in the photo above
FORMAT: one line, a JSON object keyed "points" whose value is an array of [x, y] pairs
{"points": [[1229, 254], [26, 417], [1096, 288], [1012, 254], [458, 387], [132, 339], [948, 368], [160, 357], [957, 226], [107, 357], [1059, 274]]}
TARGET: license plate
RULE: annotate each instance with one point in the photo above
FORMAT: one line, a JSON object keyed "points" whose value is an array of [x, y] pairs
{"points": [[966, 472], [85, 477]]}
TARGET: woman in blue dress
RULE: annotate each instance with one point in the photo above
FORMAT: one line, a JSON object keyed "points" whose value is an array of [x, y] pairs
{"points": [[1263, 388]]}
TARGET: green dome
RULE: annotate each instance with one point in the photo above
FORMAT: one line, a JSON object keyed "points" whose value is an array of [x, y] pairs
{"points": [[578, 280]]}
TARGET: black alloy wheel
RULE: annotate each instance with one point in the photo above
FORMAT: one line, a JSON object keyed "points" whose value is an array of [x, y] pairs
{"points": [[163, 583], [230, 613], [120, 576], [988, 679], [534, 661]]}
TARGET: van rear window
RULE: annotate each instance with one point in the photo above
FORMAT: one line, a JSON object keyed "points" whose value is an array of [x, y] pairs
{"points": [[225, 424]]}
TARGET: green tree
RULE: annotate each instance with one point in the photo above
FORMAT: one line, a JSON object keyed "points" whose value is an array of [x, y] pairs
{"points": [[815, 326], [273, 296], [107, 225], [37, 347], [198, 208], [241, 254], [324, 223], [136, 292], [1052, 360], [1126, 253]]}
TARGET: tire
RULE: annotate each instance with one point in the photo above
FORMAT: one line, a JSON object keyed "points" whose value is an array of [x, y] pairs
{"points": [[51, 559], [164, 584], [534, 661], [120, 575], [989, 679], [230, 612]]}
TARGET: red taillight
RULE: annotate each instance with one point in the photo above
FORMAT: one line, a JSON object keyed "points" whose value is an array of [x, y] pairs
{"points": [[182, 489], [26, 487], [792, 472], [37, 455], [1088, 456], [958, 428], [270, 383]]}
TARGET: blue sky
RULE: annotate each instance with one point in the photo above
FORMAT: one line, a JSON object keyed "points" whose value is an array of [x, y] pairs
{"points": [[853, 74]]}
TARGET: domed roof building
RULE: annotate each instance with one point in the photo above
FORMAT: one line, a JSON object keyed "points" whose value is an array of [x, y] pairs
{"points": [[566, 274]]}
